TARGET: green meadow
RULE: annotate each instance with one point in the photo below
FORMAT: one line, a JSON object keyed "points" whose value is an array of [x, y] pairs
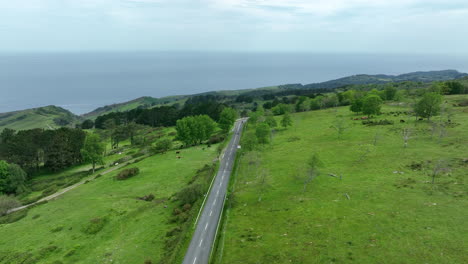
{"points": [[102, 221], [374, 201]]}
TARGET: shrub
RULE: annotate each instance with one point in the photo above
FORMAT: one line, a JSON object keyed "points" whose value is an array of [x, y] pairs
{"points": [[148, 198], [13, 217], [377, 123], [127, 173], [95, 225], [190, 194], [7, 203], [56, 229], [215, 139], [173, 231], [186, 207]]}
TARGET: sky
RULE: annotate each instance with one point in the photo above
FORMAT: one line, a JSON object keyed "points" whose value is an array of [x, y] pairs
{"points": [[374, 26]]}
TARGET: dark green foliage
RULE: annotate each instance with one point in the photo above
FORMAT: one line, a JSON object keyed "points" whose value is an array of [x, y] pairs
{"points": [[12, 178], [227, 118], [428, 105], [13, 217], [356, 106], [63, 148], [390, 92], [377, 123], [215, 139], [127, 173], [148, 198], [281, 109], [93, 150], [163, 145], [286, 120], [262, 133], [95, 225], [371, 105], [87, 124], [271, 121], [194, 129], [190, 194]]}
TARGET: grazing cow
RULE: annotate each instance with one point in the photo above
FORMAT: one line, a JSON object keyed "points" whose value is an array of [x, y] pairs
{"points": [[402, 121], [364, 117], [179, 157], [177, 152], [421, 119]]}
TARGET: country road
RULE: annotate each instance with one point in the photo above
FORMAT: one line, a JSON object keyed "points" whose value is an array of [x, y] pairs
{"points": [[202, 241]]}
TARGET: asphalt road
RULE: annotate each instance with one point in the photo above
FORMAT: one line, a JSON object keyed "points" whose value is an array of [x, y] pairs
{"points": [[202, 241]]}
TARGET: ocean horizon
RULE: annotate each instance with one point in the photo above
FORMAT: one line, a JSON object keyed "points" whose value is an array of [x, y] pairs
{"points": [[82, 82]]}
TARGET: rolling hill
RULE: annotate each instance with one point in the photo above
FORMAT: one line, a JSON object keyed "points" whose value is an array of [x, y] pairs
{"points": [[42, 117], [145, 102], [52, 116]]}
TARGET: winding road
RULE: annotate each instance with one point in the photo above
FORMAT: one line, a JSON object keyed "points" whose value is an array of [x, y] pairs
{"points": [[205, 233]]}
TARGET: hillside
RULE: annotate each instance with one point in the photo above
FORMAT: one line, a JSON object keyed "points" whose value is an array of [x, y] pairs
{"points": [[145, 102], [429, 76], [42, 117], [52, 116], [369, 199]]}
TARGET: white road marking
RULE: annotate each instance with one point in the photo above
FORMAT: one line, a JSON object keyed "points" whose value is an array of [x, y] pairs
{"points": [[195, 260], [211, 212], [206, 226], [214, 202], [201, 241], [218, 190]]}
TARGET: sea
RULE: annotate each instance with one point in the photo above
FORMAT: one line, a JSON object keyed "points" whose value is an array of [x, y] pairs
{"points": [[81, 82]]}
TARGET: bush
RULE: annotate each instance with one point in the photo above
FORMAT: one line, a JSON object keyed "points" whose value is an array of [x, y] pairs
{"points": [[148, 198], [7, 203], [13, 217], [95, 225], [190, 194], [186, 207], [173, 232], [377, 123], [127, 173], [215, 139], [56, 229]]}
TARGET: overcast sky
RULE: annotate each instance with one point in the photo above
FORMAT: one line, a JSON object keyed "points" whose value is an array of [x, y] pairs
{"points": [[393, 26]]}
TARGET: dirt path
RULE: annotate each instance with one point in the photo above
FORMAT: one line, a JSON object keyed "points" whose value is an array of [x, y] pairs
{"points": [[71, 187]]}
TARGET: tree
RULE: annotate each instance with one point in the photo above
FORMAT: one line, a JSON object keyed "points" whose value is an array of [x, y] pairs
{"points": [[313, 165], [302, 104], [340, 126], [262, 132], [227, 118], [286, 120], [281, 109], [356, 106], [87, 124], [271, 121], [371, 105], [7, 203], [93, 150], [428, 106], [390, 92], [194, 129], [163, 145], [249, 141], [12, 178]]}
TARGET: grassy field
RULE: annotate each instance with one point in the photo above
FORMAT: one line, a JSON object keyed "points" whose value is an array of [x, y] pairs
{"points": [[384, 209], [42, 117], [103, 221]]}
